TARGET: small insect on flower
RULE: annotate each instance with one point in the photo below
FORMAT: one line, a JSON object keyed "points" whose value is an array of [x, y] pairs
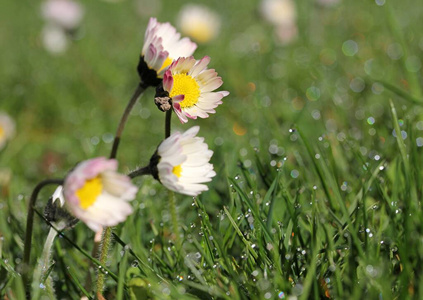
{"points": [[7, 129], [199, 22], [183, 163], [162, 44], [190, 86], [97, 195]]}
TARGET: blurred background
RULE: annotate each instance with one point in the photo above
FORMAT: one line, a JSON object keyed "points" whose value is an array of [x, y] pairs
{"points": [[68, 69], [327, 67]]}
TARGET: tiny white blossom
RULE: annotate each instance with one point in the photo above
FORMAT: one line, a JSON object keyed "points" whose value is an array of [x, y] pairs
{"points": [[184, 165]]}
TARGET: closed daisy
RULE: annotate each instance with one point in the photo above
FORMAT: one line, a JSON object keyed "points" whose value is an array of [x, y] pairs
{"points": [[162, 44], [97, 195], [183, 163], [190, 86], [7, 129]]}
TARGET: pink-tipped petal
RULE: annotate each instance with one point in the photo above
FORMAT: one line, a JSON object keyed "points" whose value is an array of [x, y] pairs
{"points": [[167, 81], [199, 66], [178, 99]]}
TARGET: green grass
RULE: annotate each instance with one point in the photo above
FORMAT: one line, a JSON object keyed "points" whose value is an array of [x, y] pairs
{"points": [[318, 198]]}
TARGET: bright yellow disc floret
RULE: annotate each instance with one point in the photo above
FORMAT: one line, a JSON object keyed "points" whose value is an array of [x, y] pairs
{"points": [[186, 85]]}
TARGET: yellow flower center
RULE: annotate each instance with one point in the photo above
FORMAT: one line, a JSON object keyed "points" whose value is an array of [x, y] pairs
{"points": [[201, 32], [186, 85], [2, 132], [89, 192], [177, 170], [166, 64]]}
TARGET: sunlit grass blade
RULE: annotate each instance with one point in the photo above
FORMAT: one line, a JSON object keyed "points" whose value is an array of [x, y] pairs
{"points": [[270, 197], [238, 231], [339, 200], [253, 208], [82, 251]]}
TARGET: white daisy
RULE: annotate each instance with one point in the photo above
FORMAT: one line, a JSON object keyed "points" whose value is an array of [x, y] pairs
{"points": [[279, 12], [54, 39], [199, 22], [97, 195], [190, 85], [162, 44], [184, 163], [66, 14], [7, 129]]}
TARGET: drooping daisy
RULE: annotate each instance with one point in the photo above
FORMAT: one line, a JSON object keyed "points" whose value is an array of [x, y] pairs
{"points": [[183, 163], [199, 22], [190, 86], [162, 44], [7, 129], [97, 195]]}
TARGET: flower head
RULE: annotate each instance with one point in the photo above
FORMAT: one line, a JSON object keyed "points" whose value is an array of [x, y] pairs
{"points": [[162, 44], [7, 129], [199, 22], [54, 39], [183, 163], [96, 194], [66, 14], [278, 12], [190, 86]]}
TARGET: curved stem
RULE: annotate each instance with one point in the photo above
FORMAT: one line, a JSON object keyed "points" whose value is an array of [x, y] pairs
{"points": [[140, 89], [29, 225], [142, 171], [167, 123]]}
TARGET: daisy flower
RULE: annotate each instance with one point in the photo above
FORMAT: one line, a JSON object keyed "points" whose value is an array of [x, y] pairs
{"points": [[190, 85], [199, 22], [278, 12], [97, 195], [183, 163], [162, 44], [54, 39], [66, 14], [7, 129]]}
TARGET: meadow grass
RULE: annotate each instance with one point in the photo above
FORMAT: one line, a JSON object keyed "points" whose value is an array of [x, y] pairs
{"points": [[317, 151]]}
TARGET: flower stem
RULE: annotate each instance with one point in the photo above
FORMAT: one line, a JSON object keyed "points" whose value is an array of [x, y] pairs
{"points": [[43, 266], [167, 123], [29, 225], [105, 245], [140, 89], [139, 172], [174, 216], [172, 204]]}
